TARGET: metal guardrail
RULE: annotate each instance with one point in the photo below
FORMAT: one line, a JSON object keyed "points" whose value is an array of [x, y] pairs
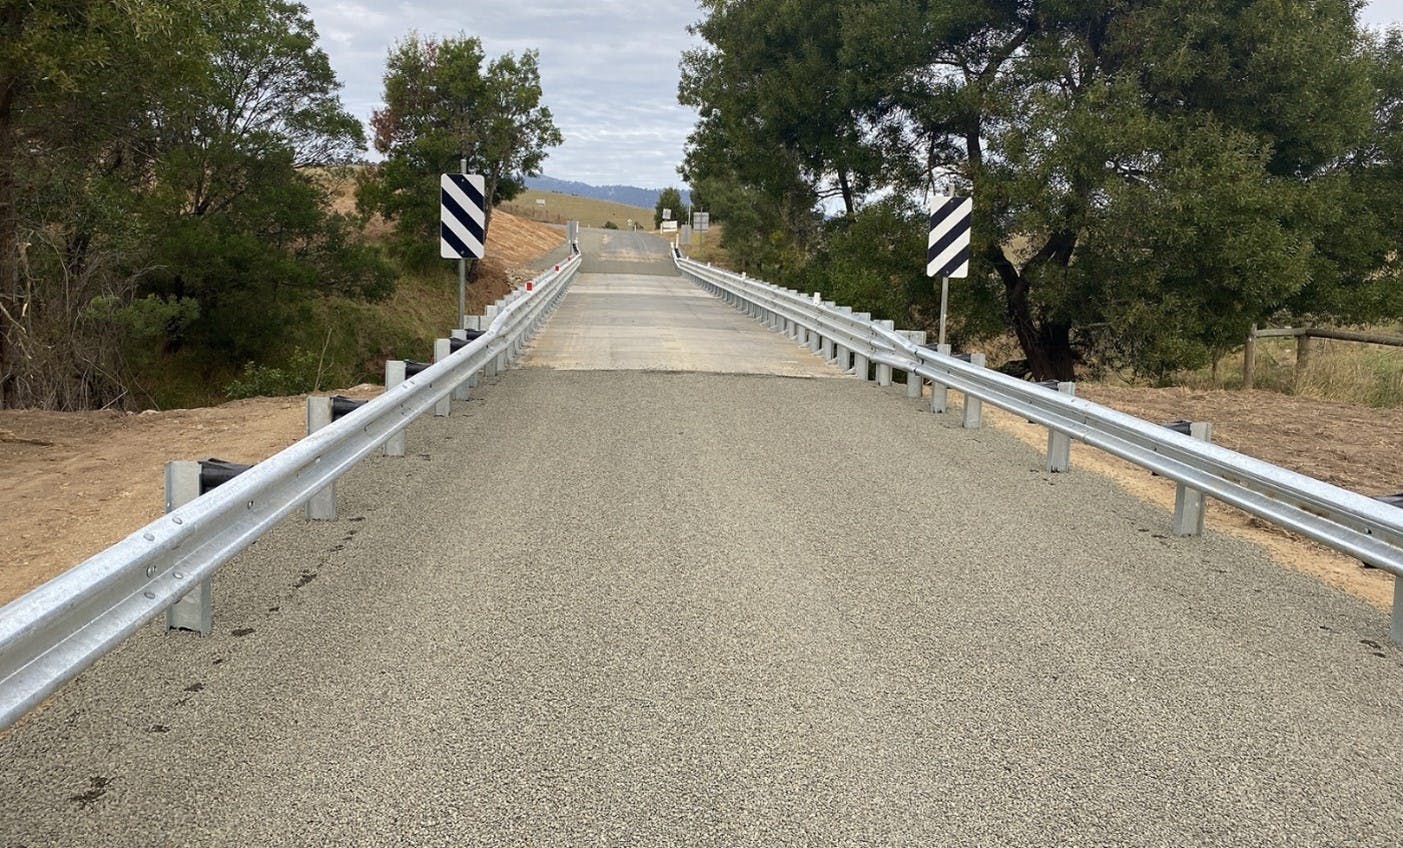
{"points": [[51, 634], [1346, 521]]}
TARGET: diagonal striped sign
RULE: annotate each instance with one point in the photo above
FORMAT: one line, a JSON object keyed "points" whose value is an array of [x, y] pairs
{"points": [[462, 216], [947, 251]]}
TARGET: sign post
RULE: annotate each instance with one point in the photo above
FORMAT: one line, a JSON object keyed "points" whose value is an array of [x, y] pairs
{"points": [[462, 224], [947, 249]]}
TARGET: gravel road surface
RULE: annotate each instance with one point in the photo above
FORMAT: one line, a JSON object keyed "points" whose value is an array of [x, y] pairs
{"points": [[623, 607]]}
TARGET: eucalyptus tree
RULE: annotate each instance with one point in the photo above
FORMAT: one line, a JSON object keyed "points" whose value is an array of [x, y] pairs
{"points": [[442, 105], [1150, 176]]}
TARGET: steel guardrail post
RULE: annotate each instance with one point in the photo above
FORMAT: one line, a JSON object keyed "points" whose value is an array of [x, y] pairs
{"points": [[394, 375], [463, 391], [973, 407], [883, 369], [321, 506], [443, 348], [1189, 503], [1059, 444], [914, 382], [194, 610], [940, 392]]}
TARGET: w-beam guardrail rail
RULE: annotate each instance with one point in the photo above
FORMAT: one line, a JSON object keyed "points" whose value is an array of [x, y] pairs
{"points": [[48, 636], [1346, 521]]}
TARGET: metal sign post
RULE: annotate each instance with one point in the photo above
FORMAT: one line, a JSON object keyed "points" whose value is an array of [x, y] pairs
{"points": [[463, 263], [947, 249], [462, 224]]}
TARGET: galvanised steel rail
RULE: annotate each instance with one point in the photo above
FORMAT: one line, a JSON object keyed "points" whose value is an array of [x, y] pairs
{"points": [[48, 636], [1346, 521]]}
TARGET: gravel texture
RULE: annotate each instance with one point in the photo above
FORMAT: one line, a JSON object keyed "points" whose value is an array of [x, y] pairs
{"points": [[631, 608]]}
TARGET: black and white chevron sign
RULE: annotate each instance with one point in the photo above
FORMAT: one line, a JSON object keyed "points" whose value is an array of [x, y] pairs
{"points": [[947, 251], [462, 216]]}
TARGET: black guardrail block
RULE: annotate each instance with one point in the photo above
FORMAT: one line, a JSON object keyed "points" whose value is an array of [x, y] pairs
{"points": [[217, 472], [342, 406], [1179, 426], [413, 367]]}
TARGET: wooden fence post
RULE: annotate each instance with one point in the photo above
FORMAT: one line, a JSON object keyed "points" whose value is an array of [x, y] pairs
{"points": [[1249, 358]]}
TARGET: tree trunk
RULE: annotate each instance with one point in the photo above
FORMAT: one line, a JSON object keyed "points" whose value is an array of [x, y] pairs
{"points": [[846, 187], [9, 247], [1047, 345]]}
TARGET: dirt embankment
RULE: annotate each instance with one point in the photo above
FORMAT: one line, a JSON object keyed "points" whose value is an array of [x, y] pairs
{"points": [[73, 483]]}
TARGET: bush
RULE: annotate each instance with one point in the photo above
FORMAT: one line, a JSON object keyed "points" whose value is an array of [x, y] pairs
{"points": [[301, 374], [610, 225]]}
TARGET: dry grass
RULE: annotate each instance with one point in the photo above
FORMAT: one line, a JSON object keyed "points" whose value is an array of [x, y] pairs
{"points": [[1351, 372], [706, 247], [559, 208]]}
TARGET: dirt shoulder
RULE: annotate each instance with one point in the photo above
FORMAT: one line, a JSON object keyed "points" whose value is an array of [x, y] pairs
{"points": [[1355, 447], [73, 483]]}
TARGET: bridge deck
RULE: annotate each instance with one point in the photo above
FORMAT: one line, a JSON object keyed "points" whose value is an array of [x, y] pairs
{"points": [[619, 607]]}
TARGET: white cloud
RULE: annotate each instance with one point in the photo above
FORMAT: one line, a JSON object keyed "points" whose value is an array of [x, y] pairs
{"points": [[608, 70]]}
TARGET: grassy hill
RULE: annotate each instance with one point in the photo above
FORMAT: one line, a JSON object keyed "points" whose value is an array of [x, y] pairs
{"points": [[558, 208]]}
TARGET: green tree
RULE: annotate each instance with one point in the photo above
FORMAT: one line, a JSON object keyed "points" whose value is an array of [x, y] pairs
{"points": [[82, 86], [443, 106], [240, 206], [163, 178], [671, 199], [1149, 178]]}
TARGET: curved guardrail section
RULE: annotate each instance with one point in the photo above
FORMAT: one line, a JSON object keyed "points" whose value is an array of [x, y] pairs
{"points": [[51, 634], [1346, 521]]}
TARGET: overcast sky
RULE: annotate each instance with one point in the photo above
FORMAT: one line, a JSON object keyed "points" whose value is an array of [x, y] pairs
{"points": [[608, 69]]}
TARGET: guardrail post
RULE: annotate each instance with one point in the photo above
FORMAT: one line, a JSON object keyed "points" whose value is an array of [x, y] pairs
{"points": [[884, 371], [914, 383], [488, 313], [194, 610], [1395, 627], [443, 348], [321, 506], [1059, 445], [463, 390], [939, 392], [974, 407], [862, 366], [394, 375], [1189, 503]]}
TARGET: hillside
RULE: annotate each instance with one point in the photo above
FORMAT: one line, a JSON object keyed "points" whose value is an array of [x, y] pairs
{"points": [[590, 212], [625, 194]]}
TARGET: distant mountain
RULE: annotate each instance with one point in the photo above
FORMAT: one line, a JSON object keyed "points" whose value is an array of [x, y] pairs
{"points": [[631, 195]]}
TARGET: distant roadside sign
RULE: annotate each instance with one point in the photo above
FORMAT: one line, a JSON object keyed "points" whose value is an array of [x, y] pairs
{"points": [[540, 201], [669, 226], [701, 221], [667, 214]]}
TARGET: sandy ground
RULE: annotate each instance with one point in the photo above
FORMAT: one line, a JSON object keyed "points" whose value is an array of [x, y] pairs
{"points": [[74, 483]]}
